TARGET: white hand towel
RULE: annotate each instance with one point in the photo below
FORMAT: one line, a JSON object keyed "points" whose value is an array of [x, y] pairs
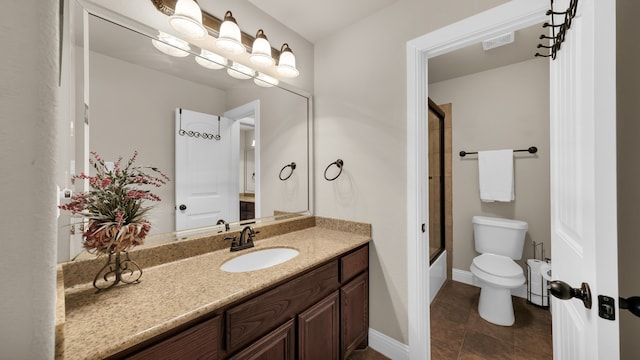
{"points": [[496, 175]]}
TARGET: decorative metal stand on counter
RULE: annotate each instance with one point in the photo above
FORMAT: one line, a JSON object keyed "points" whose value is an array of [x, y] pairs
{"points": [[558, 31], [117, 270]]}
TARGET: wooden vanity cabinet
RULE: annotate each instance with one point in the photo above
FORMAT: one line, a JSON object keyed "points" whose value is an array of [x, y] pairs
{"points": [[321, 314], [279, 344], [201, 341], [319, 330], [354, 314]]}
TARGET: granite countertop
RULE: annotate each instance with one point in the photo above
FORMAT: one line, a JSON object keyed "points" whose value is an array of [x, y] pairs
{"points": [[97, 325]]}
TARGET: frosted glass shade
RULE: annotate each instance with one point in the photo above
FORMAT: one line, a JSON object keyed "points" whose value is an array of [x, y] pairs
{"points": [[211, 60], [171, 45], [265, 80], [287, 63], [187, 19], [261, 51], [240, 71], [229, 39]]}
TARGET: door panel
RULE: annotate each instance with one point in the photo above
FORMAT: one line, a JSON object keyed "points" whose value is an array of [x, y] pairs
{"points": [[206, 175], [583, 180]]}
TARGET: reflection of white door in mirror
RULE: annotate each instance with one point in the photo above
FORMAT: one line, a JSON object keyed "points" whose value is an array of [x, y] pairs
{"points": [[250, 172], [206, 172]]}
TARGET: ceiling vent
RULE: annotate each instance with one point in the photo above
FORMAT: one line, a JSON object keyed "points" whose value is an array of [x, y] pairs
{"points": [[498, 41]]}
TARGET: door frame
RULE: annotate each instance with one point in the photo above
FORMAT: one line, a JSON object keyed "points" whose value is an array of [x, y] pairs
{"points": [[511, 16], [250, 109]]}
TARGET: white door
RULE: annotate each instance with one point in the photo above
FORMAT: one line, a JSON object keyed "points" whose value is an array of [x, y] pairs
{"points": [[206, 173], [583, 181]]}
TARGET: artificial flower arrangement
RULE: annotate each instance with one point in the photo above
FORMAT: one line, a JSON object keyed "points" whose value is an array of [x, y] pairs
{"points": [[114, 204]]}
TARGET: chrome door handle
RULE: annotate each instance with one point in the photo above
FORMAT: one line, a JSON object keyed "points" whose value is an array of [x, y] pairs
{"points": [[564, 291]]}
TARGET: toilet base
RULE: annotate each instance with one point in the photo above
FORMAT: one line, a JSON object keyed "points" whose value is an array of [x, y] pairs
{"points": [[495, 305]]}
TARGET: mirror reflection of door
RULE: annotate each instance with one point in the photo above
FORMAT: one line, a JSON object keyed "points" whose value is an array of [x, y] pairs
{"points": [[250, 171], [204, 167]]}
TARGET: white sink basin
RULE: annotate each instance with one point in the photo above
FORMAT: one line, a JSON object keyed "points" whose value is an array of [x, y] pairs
{"points": [[260, 259]]}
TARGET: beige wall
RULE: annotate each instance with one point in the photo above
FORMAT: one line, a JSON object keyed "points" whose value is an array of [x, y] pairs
{"points": [[504, 108], [29, 96], [360, 117], [628, 83]]}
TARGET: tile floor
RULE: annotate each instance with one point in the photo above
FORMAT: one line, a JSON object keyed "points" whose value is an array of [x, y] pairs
{"points": [[458, 332]]}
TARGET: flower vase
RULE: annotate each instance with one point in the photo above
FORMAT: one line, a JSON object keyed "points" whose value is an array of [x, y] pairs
{"points": [[119, 268]]}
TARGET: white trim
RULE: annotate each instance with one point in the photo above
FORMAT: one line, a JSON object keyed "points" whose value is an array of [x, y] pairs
{"points": [[466, 277], [387, 346], [250, 109], [507, 17]]}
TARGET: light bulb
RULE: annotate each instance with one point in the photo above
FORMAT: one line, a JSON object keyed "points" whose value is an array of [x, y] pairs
{"points": [[187, 19], [287, 62], [240, 71], [210, 60], [261, 50], [229, 39], [171, 45]]}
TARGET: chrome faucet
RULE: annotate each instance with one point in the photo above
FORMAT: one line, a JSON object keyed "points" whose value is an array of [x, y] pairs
{"points": [[245, 241]]}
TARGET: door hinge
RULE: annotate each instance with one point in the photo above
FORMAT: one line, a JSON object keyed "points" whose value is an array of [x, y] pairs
{"points": [[606, 307]]}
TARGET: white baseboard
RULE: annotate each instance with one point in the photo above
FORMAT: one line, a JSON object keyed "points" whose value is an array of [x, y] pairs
{"points": [[467, 277], [387, 346]]}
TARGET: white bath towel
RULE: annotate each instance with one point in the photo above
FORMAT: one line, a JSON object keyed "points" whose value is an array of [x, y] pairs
{"points": [[496, 175]]}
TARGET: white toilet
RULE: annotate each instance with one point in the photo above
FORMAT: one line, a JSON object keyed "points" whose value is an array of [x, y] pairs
{"points": [[499, 241]]}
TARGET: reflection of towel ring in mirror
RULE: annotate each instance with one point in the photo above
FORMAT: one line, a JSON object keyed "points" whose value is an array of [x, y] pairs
{"points": [[339, 163], [292, 166]]}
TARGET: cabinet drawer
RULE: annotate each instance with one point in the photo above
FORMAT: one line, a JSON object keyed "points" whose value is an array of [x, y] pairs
{"points": [[354, 263], [254, 318], [198, 342]]}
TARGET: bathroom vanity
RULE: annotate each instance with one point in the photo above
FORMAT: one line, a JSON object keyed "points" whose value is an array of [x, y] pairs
{"points": [[315, 303]]}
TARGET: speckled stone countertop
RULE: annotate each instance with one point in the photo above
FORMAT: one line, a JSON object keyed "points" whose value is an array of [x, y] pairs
{"points": [[97, 325]]}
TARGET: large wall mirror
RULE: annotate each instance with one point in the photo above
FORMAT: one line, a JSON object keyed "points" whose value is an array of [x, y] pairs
{"points": [[138, 98]]}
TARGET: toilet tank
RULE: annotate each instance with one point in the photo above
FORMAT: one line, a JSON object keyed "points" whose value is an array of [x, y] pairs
{"points": [[499, 236]]}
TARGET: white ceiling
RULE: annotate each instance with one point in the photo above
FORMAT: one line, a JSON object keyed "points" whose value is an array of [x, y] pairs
{"points": [[316, 19]]}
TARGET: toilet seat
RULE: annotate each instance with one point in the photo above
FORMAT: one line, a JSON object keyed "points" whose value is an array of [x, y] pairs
{"points": [[498, 270]]}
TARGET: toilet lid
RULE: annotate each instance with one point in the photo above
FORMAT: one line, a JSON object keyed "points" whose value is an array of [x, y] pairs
{"points": [[497, 265]]}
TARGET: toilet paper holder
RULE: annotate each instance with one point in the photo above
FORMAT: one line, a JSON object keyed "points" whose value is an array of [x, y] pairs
{"points": [[538, 275]]}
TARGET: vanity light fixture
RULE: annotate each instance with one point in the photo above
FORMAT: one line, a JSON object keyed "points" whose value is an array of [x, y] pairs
{"points": [[229, 38], [261, 51], [269, 65], [240, 71], [187, 19], [265, 80], [171, 45], [211, 60], [287, 62]]}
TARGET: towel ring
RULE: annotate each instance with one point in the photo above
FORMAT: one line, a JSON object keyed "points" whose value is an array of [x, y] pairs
{"points": [[292, 166], [339, 163]]}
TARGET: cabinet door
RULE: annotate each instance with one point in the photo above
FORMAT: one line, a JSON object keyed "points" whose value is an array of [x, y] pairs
{"points": [[277, 345], [319, 331], [198, 342], [354, 303]]}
